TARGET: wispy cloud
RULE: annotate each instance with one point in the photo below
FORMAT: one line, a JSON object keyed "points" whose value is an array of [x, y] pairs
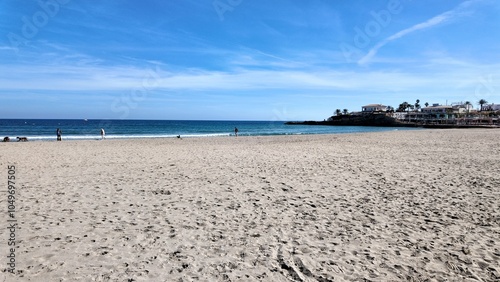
{"points": [[90, 77], [7, 48], [435, 21]]}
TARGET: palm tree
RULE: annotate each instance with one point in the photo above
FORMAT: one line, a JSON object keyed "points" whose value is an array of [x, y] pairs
{"points": [[468, 105], [345, 111], [426, 104], [337, 112], [417, 105], [482, 102], [403, 106]]}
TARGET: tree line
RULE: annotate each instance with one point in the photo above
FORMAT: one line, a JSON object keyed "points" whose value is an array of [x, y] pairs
{"points": [[406, 107]]}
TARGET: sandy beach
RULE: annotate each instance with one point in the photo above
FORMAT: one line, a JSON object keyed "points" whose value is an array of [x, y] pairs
{"points": [[393, 206]]}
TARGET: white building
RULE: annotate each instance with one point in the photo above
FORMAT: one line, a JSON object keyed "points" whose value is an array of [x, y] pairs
{"points": [[461, 109], [492, 107], [373, 108], [437, 109]]}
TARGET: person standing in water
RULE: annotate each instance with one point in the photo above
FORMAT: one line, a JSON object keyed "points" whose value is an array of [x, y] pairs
{"points": [[236, 131], [103, 134], [59, 134]]}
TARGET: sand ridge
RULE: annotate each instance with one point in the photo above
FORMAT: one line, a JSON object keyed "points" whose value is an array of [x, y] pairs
{"points": [[394, 206]]}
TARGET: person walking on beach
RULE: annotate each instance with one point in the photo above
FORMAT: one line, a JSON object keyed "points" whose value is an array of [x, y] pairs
{"points": [[102, 134], [236, 131], [59, 134]]}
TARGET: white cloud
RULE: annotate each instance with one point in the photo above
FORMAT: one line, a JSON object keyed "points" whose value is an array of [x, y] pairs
{"points": [[437, 20]]}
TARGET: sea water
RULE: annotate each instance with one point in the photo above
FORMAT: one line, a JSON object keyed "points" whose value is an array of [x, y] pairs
{"points": [[45, 129]]}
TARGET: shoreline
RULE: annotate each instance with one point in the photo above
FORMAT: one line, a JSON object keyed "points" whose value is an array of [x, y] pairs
{"points": [[72, 129], [187, 136]]}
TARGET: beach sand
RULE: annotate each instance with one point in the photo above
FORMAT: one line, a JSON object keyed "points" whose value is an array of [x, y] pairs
{"points": [[393, 206]]}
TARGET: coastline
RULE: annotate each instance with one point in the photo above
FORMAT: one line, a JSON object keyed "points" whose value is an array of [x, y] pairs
{"points": [[379, 206], [384, 120]]}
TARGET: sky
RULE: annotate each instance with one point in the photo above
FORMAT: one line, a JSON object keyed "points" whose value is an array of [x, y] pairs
{"points": [[242, 59]]}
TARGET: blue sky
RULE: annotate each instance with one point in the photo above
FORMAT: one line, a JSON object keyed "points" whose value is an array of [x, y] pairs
{"points": [[242, 59]]}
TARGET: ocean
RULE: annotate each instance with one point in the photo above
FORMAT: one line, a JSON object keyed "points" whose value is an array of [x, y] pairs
{"points": [[45, 129]]}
